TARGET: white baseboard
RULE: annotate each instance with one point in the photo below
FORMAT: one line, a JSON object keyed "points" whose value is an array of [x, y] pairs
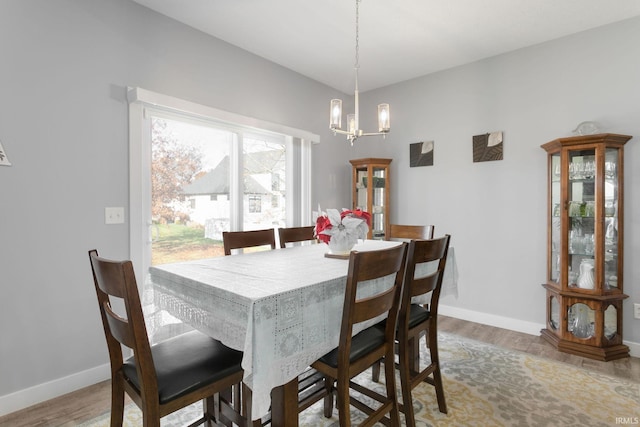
{"points": [[530, 328], [634, 348], [39, 393]]}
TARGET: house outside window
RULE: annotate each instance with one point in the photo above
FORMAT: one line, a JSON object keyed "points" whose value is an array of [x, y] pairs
{"points": [[255, 204]]}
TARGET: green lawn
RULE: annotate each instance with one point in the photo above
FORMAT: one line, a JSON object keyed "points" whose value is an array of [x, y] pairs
{"points": [[177, 242]]}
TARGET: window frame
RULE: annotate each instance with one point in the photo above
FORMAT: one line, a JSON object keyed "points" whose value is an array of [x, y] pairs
{"points": [[298, 179]]}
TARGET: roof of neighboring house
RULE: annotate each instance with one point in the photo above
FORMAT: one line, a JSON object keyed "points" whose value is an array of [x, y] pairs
{"points": [[217, 180]]}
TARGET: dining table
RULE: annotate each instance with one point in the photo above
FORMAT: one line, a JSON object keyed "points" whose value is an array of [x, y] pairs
{"points": [[282, 308]]}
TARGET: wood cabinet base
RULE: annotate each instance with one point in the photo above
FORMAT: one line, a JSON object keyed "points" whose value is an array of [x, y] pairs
{"points": [[604, 354]]}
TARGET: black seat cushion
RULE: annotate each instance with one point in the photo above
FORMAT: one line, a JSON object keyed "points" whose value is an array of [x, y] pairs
{"points": [[361, 344], [417, 315], [186, 363]]}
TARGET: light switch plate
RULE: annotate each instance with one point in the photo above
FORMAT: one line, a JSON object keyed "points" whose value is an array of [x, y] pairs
{"points": [[114, 215]]}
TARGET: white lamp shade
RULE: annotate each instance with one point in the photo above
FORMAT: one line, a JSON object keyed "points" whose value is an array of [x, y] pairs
{"points": [[384, 121], [335, 114], [352, 126]]}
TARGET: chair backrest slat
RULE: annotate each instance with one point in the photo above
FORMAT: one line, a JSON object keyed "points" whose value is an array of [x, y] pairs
{"points": [[119, 327], [369, 308], [424, 284], [295, 234], [248, 239], [409, 232]]}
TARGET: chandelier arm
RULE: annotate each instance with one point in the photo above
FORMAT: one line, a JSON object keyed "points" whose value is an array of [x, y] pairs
{"points": [[373, 133]]}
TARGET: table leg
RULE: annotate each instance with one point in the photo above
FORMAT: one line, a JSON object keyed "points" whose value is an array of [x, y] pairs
{"points": [[284, 405]]}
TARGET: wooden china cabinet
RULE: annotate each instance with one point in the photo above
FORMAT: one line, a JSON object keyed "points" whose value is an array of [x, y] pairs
{"points": [[370, 192], [584, 286]]}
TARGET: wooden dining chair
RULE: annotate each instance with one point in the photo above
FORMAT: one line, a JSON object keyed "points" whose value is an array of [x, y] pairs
{"points": [[404, 233], [167, 376], [415, 319], [248, 239], [296, 234], [408, 232], [355, 354]]}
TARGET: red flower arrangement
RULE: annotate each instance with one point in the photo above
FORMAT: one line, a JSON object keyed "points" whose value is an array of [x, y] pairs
{"points": [[348, 225]]}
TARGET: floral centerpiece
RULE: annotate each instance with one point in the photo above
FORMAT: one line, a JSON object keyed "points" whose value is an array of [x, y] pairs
{"points": [[341, 230]]}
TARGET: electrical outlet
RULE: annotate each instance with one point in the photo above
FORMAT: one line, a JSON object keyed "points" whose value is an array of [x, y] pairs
{"points": [[636, 311], [114, 215]]}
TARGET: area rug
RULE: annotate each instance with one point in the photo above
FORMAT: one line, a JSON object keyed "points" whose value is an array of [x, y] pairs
{"points": [[487, 386]]}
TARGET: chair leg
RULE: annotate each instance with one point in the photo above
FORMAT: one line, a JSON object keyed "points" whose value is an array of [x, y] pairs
{"points": [[375, 372], [437, 379], [405, 368], [150, 422], [437, 376], [150, 415], [247, 402], [413, 355], [117, 402], [209, 409], [220, 400], [390, 381], [328, 398], [236, 397], [342, 402]]}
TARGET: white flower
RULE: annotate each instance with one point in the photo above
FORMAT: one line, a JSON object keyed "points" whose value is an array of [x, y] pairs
{"points": [[345, 230]]}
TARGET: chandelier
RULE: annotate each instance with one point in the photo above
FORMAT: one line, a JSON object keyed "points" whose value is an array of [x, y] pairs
{"points": [[353, 131]]}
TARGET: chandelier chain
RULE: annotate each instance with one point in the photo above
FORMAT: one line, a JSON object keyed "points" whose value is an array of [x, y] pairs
{"points": [[357, 64]]}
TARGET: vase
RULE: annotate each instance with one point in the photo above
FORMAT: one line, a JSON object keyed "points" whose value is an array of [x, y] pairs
{"points": [[585, 279], [341, 247], [582, 326]]}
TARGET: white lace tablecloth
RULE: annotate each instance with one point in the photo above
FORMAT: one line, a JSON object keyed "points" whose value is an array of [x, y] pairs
{"points": [[282, 308]]}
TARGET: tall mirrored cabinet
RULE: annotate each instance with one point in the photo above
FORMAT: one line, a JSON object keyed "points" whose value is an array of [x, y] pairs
{"points": [[584, 286], [370, 192]]}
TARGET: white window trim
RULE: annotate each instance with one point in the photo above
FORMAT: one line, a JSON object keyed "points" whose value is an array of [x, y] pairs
{"points": [[140, 161]]}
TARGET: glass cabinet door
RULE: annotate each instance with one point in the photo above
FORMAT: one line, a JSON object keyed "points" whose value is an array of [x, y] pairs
{"points": [[378, 203], [371, 192], [581, 321], [360, 201], [611, 218], [556, 222], [581, 225], [376, 186]]}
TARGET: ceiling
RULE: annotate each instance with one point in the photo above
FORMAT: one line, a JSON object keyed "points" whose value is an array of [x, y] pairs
{"points": [[399, 39]]}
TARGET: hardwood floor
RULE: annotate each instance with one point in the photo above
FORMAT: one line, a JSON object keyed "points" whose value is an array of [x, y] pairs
{"points": [[628, 368], [82, 405]]}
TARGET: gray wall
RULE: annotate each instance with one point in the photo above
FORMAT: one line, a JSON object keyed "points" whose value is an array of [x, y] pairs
{"points": [[496, 211], [64, 125], [64, 68]]}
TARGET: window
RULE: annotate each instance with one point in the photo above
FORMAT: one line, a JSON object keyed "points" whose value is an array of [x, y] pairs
{"points": [[224, 179]]}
